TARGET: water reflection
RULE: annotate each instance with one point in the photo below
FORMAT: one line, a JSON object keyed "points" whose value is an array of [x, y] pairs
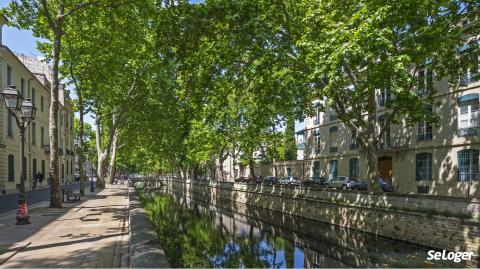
{"points": [[199, 235]]}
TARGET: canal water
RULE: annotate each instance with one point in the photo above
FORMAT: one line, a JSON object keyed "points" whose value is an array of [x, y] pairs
{"points": [[231, 235]]}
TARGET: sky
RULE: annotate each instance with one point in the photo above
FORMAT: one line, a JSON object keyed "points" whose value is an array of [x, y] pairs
{"points": [[24, 42]]}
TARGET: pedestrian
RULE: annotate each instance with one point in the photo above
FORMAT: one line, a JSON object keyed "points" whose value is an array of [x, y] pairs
{"points": [[39, 178]]}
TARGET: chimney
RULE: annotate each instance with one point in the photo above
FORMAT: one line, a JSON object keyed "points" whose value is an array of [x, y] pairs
{"points": [[3, 21]]}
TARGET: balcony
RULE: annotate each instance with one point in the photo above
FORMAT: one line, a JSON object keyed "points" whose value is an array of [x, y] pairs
{"points": [[317, 151], [467, 131], [394, 143], [468, 79], [316, 132], [333, 149], [424, 137]]}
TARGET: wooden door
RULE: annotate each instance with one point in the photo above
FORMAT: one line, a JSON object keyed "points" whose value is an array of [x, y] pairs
{"points": [[385, 167]]}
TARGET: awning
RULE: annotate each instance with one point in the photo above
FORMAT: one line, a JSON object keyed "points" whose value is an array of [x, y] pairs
{"points": [[468, 97]]}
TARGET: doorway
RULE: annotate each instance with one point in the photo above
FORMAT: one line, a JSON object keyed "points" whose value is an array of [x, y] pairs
{"points": [[385, 167]]}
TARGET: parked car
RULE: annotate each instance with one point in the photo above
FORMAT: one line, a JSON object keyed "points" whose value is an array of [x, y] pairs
{"points": [[341, 182], [386, 186], [259, 179], [270, 180], [314, 182], [289, 180], [357, 184]]}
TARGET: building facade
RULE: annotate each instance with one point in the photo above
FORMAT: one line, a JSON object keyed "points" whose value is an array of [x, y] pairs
{"points": [[24, 73]]}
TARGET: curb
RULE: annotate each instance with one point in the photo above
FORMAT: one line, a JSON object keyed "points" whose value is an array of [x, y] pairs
{"points": [[145, 249]]}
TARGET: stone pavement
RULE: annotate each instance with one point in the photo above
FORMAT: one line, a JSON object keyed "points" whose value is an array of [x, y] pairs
{"points": [[90, 233]]}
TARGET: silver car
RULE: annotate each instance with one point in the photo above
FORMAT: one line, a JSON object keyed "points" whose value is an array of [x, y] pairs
{"points": [[340, 183]]}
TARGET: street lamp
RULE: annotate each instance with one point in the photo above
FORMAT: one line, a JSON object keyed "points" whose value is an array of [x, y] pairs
{"points": [[24, 112], [90, 152]]}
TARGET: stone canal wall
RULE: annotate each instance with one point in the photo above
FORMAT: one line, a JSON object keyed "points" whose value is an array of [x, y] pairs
{"points": [[376, 214]]}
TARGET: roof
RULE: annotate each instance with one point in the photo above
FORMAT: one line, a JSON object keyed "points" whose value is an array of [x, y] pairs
{"points": [[5, 48]]}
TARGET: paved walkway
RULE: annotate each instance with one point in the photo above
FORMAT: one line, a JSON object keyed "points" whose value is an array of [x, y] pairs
{"points": [[90, 233]]}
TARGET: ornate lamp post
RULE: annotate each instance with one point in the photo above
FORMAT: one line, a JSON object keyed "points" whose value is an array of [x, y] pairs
{"points": [[24, 112]]}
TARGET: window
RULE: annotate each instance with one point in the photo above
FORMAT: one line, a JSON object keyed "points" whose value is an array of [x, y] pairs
{"points": [[43, 168], [42, 103], [468, 165], [63, 171], [316, 169], [34, 168], [9, 75], [354, 168], [11, 168], [34, 134], [353, 141], [333, 139], [33, 96], [385, 97], [289, 171], [22, 86], [333, 171], [42, 137], [424, 166], [385, 139], [468, 115], [9, 124], [471, 75], [425, 82], [424, 129], [333, 115]]}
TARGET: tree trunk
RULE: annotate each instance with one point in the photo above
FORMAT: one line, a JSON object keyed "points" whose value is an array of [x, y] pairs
{"points": [[251, 167], [55, 198], [113, 159], [80, 143], [372, 167]]}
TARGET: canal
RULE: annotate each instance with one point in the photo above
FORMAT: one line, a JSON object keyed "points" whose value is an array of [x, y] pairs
{"points": [[195, 234]]}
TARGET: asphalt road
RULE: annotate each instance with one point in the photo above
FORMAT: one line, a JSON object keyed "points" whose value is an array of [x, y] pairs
{"points": [[9, 202]]}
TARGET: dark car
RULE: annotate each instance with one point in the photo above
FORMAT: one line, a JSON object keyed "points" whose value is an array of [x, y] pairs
{"points": [[77, 177], [270, 180], [386, 186], [314, 182]]}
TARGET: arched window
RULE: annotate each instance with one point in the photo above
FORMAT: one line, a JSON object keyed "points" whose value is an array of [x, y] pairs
{"points": [[424, 166], [11, 168], [468, 165]]}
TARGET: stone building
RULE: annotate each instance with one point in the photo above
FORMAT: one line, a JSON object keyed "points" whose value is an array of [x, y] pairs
{"points": [[31, 77], [424, 159]]}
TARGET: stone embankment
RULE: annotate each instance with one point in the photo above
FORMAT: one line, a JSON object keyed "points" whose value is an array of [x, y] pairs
{"points": [[449, 224]]}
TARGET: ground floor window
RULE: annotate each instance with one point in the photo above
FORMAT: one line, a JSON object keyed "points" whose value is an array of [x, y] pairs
{"points": [[11, 168], [424, 166], [289, 171], [468, 165], [316, 169], [333, 172], [354, 168]]}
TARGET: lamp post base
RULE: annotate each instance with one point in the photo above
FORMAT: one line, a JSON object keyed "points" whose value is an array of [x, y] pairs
{"points": [[23, 221], [22, 214]]}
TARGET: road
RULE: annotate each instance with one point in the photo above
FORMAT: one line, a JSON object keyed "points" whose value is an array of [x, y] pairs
{"points": [[9, 202]]}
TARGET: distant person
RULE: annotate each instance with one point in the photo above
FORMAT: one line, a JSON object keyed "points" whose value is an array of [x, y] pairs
{"points": [[39, 178]]}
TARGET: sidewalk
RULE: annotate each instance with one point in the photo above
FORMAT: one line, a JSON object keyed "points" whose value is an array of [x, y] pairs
{"points": [[90, 233]]}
